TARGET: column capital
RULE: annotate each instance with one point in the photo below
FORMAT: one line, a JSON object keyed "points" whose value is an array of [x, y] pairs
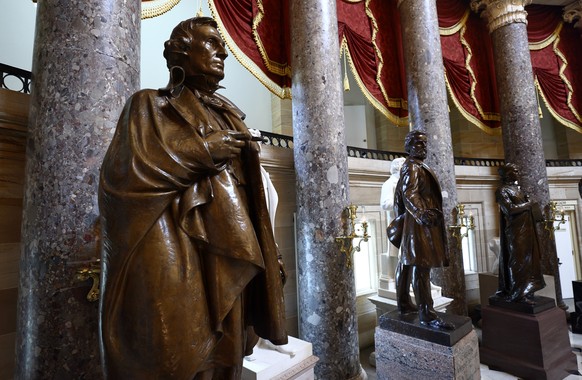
{"points": [[501, 12], [573, 13]]}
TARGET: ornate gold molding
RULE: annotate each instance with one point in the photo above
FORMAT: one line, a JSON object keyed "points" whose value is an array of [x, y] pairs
{"points": [[501, 12], [573, 13]]}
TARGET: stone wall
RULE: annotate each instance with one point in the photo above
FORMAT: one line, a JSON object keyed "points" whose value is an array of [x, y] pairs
{"points": [[13, 121]]}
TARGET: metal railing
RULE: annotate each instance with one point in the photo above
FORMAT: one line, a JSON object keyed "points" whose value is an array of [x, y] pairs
{"points": [[15, 79], [283, 141]]}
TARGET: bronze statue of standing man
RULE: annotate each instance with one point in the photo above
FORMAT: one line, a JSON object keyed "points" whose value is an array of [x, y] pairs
{"points": [[419, 230], [520, 274], [191, 273]]}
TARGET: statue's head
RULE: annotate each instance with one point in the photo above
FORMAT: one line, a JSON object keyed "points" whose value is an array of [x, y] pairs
{"points": [[508, 173], [197, 48], [415, 144]]}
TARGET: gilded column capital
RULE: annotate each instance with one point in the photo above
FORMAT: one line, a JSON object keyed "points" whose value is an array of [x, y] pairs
{"points": [[573, 13], [501, 12]]}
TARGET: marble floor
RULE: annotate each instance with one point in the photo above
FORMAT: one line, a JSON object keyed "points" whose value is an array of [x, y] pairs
{"points": [[486, 373]]}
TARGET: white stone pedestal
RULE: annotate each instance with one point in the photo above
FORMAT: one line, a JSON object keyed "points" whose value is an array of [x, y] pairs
{"points": [[294, 360]]}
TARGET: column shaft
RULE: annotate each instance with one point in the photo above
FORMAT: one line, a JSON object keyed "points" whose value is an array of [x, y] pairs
{"points": [[326, 288], [428, 111], [86, 64], [522, 136]]}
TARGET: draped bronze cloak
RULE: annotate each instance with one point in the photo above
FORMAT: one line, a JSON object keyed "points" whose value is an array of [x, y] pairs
{"points": [[417, 191], [189, 261]]}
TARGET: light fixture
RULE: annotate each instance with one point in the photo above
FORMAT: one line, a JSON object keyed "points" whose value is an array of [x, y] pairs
{"points": [[346, 241], [555, 216], [463, 222]]}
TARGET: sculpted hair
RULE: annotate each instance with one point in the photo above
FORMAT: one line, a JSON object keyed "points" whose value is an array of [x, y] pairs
{"points": [[505, 169], [410, 138], [176, 48]]}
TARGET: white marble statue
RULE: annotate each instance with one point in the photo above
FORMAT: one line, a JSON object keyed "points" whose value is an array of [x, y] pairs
{"points": [[387, 196]]}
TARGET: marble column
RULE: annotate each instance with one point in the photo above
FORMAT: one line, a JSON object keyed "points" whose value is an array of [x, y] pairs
{"points": [[428, 111], [520, 123], [85, 65], [326, 287]]}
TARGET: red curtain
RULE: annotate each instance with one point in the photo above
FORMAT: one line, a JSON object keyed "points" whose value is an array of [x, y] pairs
{"points": [[257, 32], [555, 55], [468, 62]]}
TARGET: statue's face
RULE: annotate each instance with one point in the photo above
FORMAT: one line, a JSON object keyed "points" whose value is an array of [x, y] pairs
{"points": [[512, 175], [418, 147], [207, 53]]}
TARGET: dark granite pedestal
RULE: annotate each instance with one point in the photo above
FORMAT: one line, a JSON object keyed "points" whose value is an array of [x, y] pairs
{"points": [[405, 349], [529, 344]]}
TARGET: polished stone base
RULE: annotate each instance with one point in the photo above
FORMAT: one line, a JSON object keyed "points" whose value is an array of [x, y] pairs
{"points": [[402, 356], [538, 305], [531, 346]]}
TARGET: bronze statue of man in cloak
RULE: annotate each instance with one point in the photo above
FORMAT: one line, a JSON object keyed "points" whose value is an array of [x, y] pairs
{"points": [[520, 273], [191, 273]]}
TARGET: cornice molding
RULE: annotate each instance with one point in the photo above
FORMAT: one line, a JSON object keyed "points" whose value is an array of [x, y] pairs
{"points": [[499, 13]]}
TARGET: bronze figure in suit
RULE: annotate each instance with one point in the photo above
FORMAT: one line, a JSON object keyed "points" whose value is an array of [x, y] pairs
{"points": [[191, 273], [419, 231]]}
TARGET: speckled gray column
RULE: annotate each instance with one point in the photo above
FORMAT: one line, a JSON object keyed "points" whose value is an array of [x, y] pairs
{"points": [[326, 287], [428, 111], [85, 65], [520, 123]]}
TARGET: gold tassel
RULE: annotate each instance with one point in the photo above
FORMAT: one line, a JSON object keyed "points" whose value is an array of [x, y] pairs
{"points": [[540, 113], [199, 13], [346, 80]]}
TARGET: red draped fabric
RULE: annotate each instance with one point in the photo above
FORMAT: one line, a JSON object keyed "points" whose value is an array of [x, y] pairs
{"points": [[257, 32], [556, 57], [468, 62]]}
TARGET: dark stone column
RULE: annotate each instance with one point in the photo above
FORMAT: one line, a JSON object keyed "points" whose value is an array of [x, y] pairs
{"points": [[520, 123], [326, 288], [428, 111], [86, 64]]}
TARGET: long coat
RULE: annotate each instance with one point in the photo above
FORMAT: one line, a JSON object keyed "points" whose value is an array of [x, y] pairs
{"points": [[520, 272], [189, 260], [417, 191]]}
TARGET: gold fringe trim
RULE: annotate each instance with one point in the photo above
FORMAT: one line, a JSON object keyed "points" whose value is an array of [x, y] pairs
{"points": [[559, 119], [455, 28], [155, 8], [551, 38], [281, 92], [281, 69], [470, 118], [489, 116], [396, 103], [564, 78]]}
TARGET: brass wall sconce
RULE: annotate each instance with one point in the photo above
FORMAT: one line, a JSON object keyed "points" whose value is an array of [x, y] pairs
{"points": [[555, 216], [345, 242], [93, 272], [463, 221]]}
